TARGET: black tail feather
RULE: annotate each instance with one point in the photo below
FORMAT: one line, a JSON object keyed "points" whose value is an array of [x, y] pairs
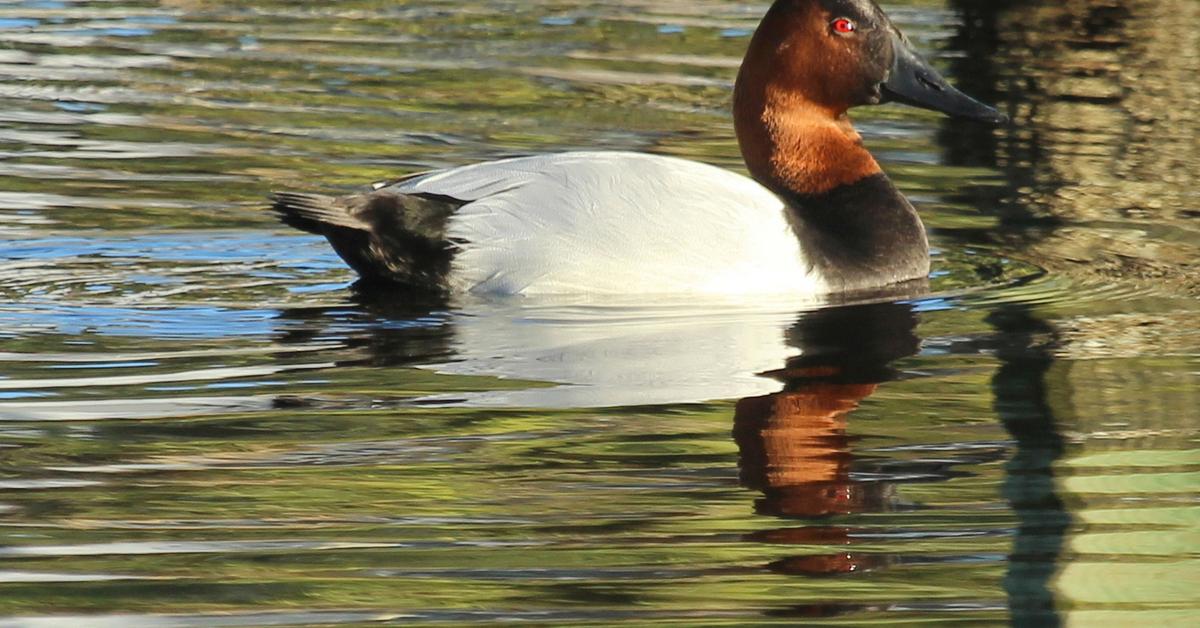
{"points": [[384, 235], [315, 213]]}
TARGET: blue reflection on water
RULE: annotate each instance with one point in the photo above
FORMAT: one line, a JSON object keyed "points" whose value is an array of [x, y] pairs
{"points": [[174, 322], [155, 259], [15, 23], [297, 252], [24, 395]]}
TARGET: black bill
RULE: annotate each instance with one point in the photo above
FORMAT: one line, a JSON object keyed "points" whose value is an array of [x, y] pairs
{"points": [[914, 82]]}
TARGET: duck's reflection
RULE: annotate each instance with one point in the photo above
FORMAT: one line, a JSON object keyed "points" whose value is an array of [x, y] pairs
{"points": [[794, 446], [584, 353], [791, 431]]}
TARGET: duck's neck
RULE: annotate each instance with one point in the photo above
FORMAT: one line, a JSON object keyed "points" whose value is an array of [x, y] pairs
{"points": [[855, 228], [793, 146], [791, 119]]}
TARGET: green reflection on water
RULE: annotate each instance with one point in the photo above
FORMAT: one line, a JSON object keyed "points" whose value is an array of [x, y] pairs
{"points": [[1034, 462]]}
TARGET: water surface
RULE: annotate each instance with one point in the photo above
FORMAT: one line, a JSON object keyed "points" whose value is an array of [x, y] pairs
{"points": [[202, 424]]}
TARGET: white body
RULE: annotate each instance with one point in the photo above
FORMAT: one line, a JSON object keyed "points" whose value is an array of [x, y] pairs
{"points": [[616, 223]]}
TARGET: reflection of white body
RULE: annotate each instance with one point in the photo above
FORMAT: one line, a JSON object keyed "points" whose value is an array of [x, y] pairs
{"points": [[610, 355], [616, 223]]}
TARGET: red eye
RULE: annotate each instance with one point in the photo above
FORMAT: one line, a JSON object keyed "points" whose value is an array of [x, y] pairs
{"points": [[844, 26]]}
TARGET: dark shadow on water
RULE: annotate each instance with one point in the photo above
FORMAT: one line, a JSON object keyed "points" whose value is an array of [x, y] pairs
{"points": [[384, 326], [1024, 345]]}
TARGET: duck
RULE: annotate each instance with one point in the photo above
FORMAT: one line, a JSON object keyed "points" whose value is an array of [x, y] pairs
{"points": [[816, 215]]}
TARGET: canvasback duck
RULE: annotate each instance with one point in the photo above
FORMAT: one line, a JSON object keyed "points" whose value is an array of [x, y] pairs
{"points": [[818, 216]]}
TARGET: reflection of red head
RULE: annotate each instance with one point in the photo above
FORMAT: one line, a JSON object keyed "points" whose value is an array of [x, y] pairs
{"points": [[794, 448], [793, 444], [829, 564]]}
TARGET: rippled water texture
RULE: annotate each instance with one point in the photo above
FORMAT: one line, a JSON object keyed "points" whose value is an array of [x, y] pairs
{"points": [[201, 424]]}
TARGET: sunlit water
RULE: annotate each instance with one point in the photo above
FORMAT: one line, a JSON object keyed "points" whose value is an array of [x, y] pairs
{"points": [[202, 424]]}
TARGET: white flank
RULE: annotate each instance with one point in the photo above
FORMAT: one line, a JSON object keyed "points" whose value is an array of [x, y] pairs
{"points": [[617, 223]]}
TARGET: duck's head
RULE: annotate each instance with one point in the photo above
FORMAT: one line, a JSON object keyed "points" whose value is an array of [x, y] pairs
{"points": [[812, 60], [838, 54]]}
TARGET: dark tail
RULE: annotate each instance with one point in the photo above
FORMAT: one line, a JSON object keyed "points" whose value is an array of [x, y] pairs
{"points": [[384, 235], [315, 213]]}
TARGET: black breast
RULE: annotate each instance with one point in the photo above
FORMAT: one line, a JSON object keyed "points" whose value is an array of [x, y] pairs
{"points": [[860, 236]]}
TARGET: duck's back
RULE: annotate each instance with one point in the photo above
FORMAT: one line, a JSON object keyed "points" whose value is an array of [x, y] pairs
{"points": [[615, 223], [601, 223]]}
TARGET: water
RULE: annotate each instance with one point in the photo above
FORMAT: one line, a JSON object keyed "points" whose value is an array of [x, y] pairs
{"points": [[201, 424]]}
